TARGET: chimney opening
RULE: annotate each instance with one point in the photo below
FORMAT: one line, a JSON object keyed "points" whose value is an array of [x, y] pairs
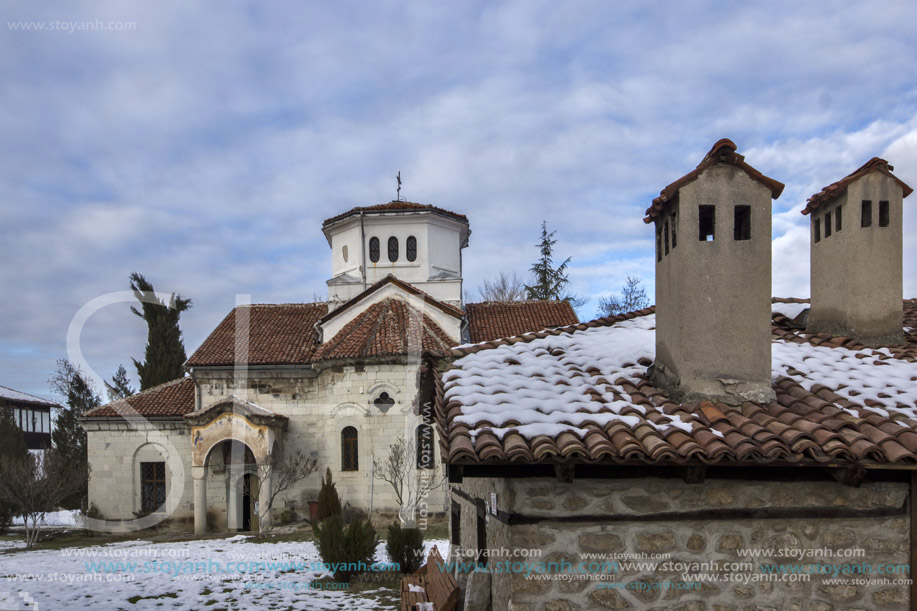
{"points": [[665, 239], [742, 229], [674, 224], [827, 224], [706, 218], [838, 223], [883, 214], [866, 215], [816, 228], [658, 242]]}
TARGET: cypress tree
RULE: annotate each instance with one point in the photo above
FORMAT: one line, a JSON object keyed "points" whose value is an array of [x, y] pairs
{"points": [[165, 353]]}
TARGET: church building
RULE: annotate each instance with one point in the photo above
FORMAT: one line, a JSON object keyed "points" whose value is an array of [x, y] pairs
{"points": [[338, 381]]}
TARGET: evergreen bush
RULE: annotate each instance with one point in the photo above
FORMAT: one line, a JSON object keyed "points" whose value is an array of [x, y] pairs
{"points": [[405, 546], [349, 549], [329, 503]]}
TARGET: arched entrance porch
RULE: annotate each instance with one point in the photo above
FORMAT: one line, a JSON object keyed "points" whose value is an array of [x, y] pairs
{"points": [[249, 432]]}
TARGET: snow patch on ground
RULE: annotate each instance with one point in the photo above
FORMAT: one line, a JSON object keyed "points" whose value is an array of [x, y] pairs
{"points": [[56, 518], [197, 573]]}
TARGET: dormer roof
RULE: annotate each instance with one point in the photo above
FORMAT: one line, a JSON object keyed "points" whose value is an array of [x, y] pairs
{"points": [[836, 189], [724, 151]]}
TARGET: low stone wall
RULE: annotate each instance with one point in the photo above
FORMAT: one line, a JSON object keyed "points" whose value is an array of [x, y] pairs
{"points": [[713, 535]]}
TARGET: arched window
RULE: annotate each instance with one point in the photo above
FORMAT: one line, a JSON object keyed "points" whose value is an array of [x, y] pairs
{"points": [[411, 248], [393, 249], [349, 460], [374, 250], [424, 446]]}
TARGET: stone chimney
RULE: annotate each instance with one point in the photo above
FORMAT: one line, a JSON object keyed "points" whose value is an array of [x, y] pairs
{"points": [[856, 251], [713, 281]]}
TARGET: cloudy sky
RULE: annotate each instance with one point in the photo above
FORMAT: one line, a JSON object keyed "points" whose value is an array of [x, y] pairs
{"points": [[203, 143]]}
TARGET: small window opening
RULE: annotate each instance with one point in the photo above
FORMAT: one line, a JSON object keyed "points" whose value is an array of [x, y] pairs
{"points": [[665, 239], [456, 534], [838, 220], [411, 249], [816, 228], [883, 214], [374, 250], [393, 249], [706, 220], [827, 224], [674, 224], [349, 453], [742, 229], [658, 243], [344, 253], [866, 215]]}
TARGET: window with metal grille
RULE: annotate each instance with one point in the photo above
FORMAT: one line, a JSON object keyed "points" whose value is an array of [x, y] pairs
{"points": [[152, 486], [410, 248], [424, 446], [393, 249], [374, 250], [349, 460]]}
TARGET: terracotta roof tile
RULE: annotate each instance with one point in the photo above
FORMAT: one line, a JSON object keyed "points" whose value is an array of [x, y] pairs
{"points": [[630, 420], [494, 320], [724, 151], [837, 188], [282, 334], [396, 206], [389, 327], [175, 398]]}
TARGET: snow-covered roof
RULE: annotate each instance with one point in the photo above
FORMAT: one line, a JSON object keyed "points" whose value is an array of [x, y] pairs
{"points": [[14, 395], [580, 393]]}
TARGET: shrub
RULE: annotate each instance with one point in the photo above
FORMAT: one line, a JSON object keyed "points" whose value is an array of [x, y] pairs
{"points": [[351, 513], [287, 515], [405, 546], [329, 504], [349, 548]]}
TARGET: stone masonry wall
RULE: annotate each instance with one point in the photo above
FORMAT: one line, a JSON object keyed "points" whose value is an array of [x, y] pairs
{"points": [[879, 540], [319, 408]]}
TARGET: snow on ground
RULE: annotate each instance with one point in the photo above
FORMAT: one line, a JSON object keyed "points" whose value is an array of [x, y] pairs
{"points": [[56, 518], [213, 573], [11, 544]]}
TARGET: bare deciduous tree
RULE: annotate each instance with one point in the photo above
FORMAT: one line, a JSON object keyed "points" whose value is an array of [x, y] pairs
{"points": [[505, 287], [285, 473], [33, 487], [633, 297], [411, 485]]}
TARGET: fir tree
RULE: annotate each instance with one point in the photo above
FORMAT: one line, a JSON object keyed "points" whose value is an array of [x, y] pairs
{"points": [[165, 353], [549, 281], [120, 385], [12, 448]]}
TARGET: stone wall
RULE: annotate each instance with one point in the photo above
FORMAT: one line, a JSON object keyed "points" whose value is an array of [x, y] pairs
{"points": [[694, 537], [319, 406], [116, 450]]}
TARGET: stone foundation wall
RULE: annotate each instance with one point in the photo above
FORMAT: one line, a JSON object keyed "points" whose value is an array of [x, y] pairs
{"points": [[728, 537]]}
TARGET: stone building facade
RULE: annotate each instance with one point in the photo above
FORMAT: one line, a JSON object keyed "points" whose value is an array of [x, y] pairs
{"points": [[582, 477], [337, 381]]}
